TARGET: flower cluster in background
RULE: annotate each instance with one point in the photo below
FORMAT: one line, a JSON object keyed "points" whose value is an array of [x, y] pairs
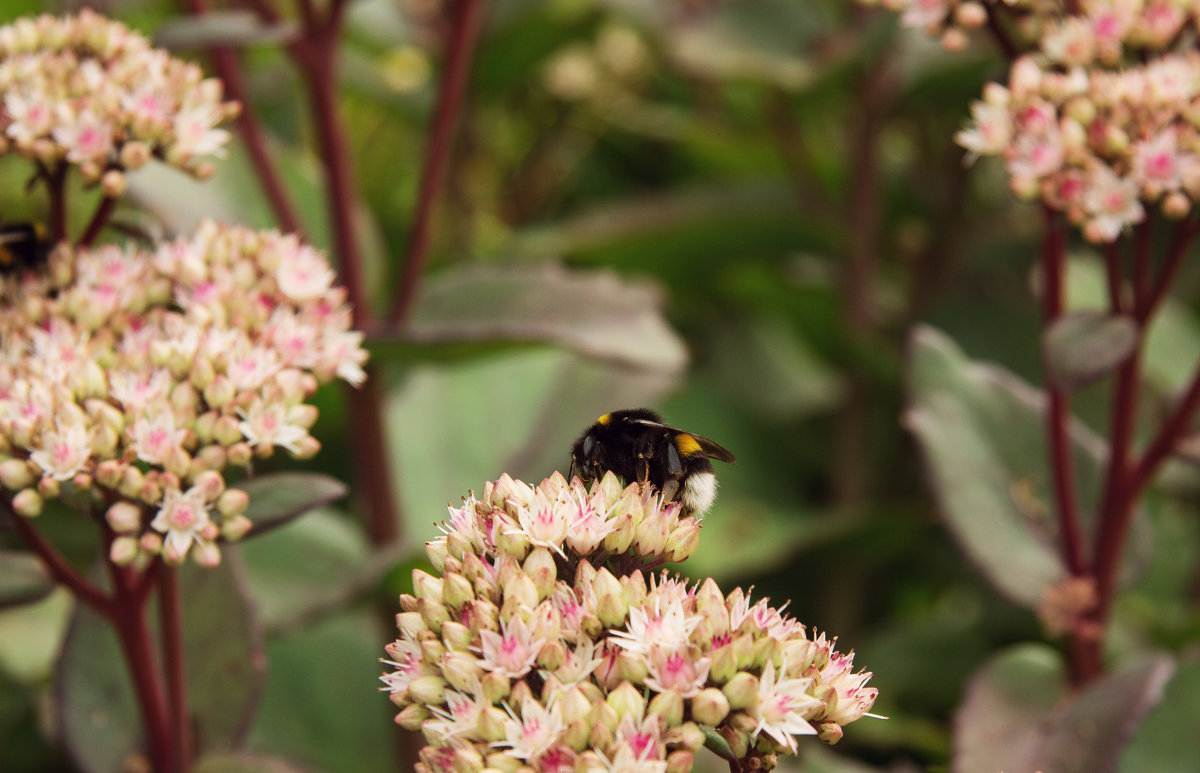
{"points": [[88, 91], [129, 379], [1096, 143], [548, 644]]}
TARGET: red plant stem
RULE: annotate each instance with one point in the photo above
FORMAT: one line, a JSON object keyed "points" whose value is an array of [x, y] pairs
{"points": [[57, 566], [133, 632], [225, 59], [1171, 432], [99, 219], [317, 56], [1112, 265], [1143, 240], [173, 660], [1054, 251], [468, 21]]}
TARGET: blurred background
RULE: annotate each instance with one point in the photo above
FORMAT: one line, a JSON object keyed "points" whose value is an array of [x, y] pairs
{"points": [[732, 212]]}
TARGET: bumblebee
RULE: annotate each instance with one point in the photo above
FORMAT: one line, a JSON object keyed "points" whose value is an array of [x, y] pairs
{"points": [[22, 246], [637, 446]]}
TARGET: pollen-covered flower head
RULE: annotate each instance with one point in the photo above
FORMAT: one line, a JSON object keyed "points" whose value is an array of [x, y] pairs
{"points": [[546, 640], [89, 91], [136, 378]]}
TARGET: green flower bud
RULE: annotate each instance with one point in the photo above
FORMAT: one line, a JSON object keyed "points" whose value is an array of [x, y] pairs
{"points": [[739, 741], [27, 503], [632, 667], [710, 707], [124, 517], [411, 716], [491, 724], [467, 760], [432, 650], [603, 713], [504, 763], [680, 761], [627, 700], [669, 706], [610, 608], [495, 687], [456, 636], [428, 690], [16, 474], [551, 656], [829, 732], [577, 735], [683, 541], [433, 613], [426, 586], [219, 391], [436, 550], [743, 650], [460, 547], [236, 527], [540, 568], [741, 690], [123, 551], [460, 669], [410, 623], [456, 590], [723, 664], [519, 594]]}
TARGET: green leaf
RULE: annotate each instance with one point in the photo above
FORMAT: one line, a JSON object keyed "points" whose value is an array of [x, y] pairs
{"points": [[31, 634], [1169, 739], [594, 313], [321, 707], [23, 579], [222, 28], [100, 724], [243, 763], [981, 432], [1018, 715], [1084, 346], [310, 565], [716, 743], [279, 498]]}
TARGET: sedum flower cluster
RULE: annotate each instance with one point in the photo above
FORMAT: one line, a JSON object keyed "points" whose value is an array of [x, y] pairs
{"points": [[1095, 137], [88, 91], [1100, 28], [130, 379], [547, 643]]}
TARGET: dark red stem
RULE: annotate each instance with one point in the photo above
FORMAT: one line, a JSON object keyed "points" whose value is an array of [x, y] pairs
{"points": [[133, 632], [468, 20], [229, 70], [174, 661], [57, 566], [99, 219], [1185, 234], [1054, 250], [316, 54]]}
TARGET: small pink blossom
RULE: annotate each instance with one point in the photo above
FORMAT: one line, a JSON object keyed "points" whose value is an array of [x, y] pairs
{"points": [[64, 451], [154, 438], [511, 652], [784, 706], [183, 518]]}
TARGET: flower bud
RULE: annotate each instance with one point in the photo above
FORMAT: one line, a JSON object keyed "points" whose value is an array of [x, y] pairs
{"points": [[461, 670], [491, 724], [456, 590], [123, 551], [433, 613], [741, 690], [626, 700], [503, 763], [520, 593], [431, 649], [16, 474], [669, 706], [610, 607], [27, 503], [124, 517], [495, 687], [576, 735], [306, 448], [426, 586], [240, 454], [219, 391], [207, 554], [710, 707], [829, 732], [411, 716], [683, 541], [680, 761], [48, 488], [738, 740], [456, 636], [574, 705], [551, 656], [151, 542], [236, 527], [632, 667], [428, 690], [410, 623], [743, 649], [540, 568]]}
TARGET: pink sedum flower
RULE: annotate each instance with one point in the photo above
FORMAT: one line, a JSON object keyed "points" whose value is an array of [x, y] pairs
{"points": [[183, 519]]}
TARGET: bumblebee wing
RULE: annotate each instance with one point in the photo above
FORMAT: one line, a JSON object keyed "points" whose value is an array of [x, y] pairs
{"points": [[710, 448], [713, 450]]}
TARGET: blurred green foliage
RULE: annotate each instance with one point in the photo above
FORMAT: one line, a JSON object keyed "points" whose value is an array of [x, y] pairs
{"points": [[782, 172]]}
